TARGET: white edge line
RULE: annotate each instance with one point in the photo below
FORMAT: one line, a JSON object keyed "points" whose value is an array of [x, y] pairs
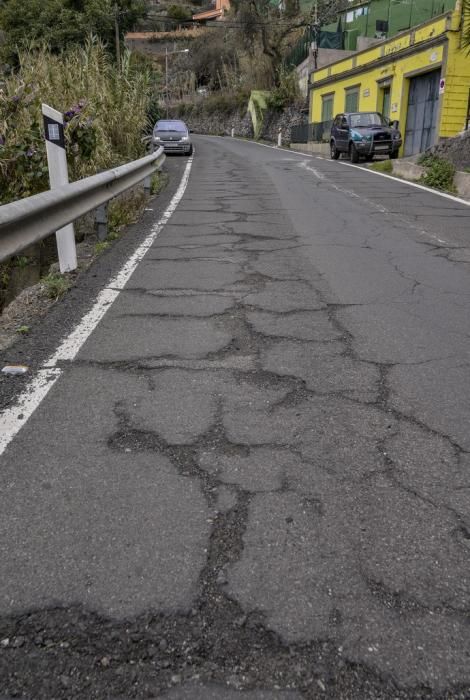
{"points": [[350, 165], [409, 183], [13, 418]]}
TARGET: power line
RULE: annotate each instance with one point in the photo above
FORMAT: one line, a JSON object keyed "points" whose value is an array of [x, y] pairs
{"points": [[228, 24]]}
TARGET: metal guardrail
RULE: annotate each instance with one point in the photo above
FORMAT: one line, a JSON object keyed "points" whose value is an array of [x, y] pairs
{"points": [[31, 219]]}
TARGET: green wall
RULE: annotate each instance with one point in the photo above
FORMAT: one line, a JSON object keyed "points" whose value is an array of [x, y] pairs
{"points": [[401, 15]]}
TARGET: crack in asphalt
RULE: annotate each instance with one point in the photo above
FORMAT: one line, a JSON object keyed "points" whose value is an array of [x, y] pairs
{"points": [[218, 639]]}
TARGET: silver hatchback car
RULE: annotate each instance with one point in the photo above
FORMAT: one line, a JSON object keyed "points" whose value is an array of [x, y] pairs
{"points": [[173, 135]]}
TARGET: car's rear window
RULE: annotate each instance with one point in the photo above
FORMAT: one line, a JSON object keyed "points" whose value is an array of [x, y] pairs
{"points": [[170, 126]]}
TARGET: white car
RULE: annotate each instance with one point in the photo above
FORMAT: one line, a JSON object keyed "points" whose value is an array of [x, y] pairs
{"points": [[173, 135]]}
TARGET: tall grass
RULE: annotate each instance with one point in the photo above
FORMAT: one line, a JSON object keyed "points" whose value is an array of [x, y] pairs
{"points": [[106, 112]]}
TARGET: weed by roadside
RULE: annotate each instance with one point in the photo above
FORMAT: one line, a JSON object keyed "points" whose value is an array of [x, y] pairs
{"points": [[158, 183], [101, 247], [125, 210], [382, 166], [439, 173], [56, 284]]}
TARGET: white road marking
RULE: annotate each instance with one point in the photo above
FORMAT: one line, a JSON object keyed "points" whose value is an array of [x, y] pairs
{"points": [[364, 170], [343, 190], [316, 172], [12, 419], [452, 197]]}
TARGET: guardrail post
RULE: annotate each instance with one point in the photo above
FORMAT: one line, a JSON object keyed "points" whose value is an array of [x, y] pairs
{"points": [[101, 221], [58, 176], [233, 132], [279, 138], [148, 184]]}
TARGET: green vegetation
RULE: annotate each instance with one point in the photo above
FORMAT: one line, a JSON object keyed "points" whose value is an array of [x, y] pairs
{"points": [[62, 23], [179, 13], [22, 330], [158, 183], [106, 115], [218, 102], [124, 210], [56, 284], [466, 24], [101, 247], [22, 261], [439, 172], [286, 91], [382, 166]]}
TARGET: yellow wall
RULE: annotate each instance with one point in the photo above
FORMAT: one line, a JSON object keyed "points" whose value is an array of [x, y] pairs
{"points": [[446, 56], [457, 88], [422, 61]]}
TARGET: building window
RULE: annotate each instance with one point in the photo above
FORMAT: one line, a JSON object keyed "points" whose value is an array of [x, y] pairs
{"points": [[351, 103], [327, 108], [351, 15], [361, 12]]}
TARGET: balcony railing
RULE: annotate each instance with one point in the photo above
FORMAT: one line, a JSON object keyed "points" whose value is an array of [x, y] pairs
{"points": [[318, 132]]}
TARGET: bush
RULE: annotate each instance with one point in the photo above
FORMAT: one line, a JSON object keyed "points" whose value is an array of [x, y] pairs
{"points": [[287, 91], [439, 172], [179, 13], [106, 115]]}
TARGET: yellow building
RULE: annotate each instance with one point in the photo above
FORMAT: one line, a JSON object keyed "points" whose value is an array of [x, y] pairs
{"points": [[420, 78]]}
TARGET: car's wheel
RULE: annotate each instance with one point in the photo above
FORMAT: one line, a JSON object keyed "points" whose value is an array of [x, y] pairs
{"points": [[353, 154], [334, 151], [369, 159], [393, 155], [190, 152]]}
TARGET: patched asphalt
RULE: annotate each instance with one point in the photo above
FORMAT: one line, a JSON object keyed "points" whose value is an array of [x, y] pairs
{"points": [[254, 479]]}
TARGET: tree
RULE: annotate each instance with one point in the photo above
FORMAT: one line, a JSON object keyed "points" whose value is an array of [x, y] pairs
{"points": [[60, 23], [179, 13], [263, 25], [212, 60]]}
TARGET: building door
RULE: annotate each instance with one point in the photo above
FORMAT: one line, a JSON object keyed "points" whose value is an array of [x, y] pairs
{"points": [[421, 119], [386, 102]]}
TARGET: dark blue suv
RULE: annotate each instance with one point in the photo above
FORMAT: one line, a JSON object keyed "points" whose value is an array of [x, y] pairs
{"points": [[364, 134]]}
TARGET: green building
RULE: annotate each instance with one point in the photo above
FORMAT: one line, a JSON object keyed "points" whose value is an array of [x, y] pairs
{"points": [[381, 19]]}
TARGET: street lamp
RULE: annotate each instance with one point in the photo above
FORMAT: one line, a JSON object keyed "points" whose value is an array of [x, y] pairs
{"points": [[170, 53]]}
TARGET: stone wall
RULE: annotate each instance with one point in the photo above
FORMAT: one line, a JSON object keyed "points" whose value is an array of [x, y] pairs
{"points": [[221, 123], [456, 149]]}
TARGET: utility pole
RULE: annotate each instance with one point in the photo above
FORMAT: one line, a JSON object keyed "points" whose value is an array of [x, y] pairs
{"points": [[315, 37], [167, 96], [411, 13], [117, 37], [166, 81]]}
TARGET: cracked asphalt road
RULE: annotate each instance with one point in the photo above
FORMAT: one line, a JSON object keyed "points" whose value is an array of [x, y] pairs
{"points": [[254, 480]]}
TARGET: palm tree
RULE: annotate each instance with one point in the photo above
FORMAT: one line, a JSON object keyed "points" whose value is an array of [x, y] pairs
{"points": [[466, 24]]}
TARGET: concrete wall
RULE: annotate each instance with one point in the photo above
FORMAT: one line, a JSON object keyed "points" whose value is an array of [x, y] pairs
{"points": [[318, 148], [221, 124], [410, 171]]}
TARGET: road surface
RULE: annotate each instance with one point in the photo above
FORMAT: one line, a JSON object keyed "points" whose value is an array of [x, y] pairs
{"points": [[252, 480]]}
